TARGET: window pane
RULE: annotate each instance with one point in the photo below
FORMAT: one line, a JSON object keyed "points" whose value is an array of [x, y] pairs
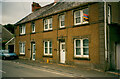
{"points": [[46, 21], [78, 51], [85, 15], [85, 42], [62, 17], [77, 43], [20, 29], [46, 26], [50, 21], [50, 25], [20, 47], [46, 50], [23, 29], [77, 13], [46, 44], [50, 44], [50, 49], [78, 20], [62, 23], [23, 48], [33, 26], [77, 17], [85, 51]]}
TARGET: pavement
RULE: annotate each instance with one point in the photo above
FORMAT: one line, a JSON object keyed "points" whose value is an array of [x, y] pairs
{"points": [[74, 70]]}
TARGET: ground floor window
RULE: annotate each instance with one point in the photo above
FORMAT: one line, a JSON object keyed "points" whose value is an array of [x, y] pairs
{"points": [[81, 48], [47, 48], [22, 48]]}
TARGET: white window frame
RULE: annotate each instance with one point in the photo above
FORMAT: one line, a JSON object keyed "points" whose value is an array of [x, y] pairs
{"points": [[22, 47], [33, 25], [81, 46], [48, 47], [109, 14], [48, 24], [76, 17], [81, 15], [23, 29], [60, 19]]}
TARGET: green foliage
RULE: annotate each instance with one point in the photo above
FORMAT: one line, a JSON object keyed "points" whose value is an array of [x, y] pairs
{"points": [[10, 27]]}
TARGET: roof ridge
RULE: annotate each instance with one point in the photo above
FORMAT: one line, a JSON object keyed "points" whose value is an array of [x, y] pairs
{"points": [[48, 9]]}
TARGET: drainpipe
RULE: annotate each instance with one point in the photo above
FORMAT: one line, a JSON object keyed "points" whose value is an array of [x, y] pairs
{"points": [[105, 30]]}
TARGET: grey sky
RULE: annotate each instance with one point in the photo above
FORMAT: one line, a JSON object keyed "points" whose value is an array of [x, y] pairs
{"points": [[12, 11]]}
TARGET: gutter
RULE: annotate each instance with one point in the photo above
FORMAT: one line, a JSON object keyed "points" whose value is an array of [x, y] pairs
{"points": [[10, 40], [105, 32]]}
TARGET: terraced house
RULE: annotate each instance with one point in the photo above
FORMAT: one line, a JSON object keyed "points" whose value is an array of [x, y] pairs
{"points": [[84, 33]]}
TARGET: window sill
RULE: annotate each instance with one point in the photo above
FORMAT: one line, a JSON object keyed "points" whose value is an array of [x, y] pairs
{"points": [[62, 28], [77, 25], [21, 54], [22, 34], [82, 58], [47, 30], [49, 56]]}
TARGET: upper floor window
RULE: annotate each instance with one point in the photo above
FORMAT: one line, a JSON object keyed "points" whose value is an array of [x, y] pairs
{"points": [[22, 48], [33, 27], [109, 14], [47, 48], [48, 24], [22, 29], [62, 21], [81, 16], [81, 48]]}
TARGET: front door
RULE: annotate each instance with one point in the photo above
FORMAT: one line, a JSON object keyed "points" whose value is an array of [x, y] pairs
{"points": [[118, 56], [62, 52], [33, 51]]}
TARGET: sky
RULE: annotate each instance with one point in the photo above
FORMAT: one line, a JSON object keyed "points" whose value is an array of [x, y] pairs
{"points": [[11, 11]]}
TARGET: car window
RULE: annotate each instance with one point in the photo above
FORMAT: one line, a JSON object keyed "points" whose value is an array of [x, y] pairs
{"points": [[4, 51]]}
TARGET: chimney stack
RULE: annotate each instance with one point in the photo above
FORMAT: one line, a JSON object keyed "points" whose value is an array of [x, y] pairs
{"points": [[35, 6]]}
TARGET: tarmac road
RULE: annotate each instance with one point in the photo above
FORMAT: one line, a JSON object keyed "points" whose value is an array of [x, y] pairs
{"points": [[25, 68], [11, 69]]}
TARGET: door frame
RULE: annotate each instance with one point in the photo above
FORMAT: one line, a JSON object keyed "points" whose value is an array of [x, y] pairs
{"points": [[60, 52], [32, 50]]}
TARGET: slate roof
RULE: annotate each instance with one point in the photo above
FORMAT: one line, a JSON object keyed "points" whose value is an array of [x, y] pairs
{"points": [[50, 9], [33, 15], [6, 35]]}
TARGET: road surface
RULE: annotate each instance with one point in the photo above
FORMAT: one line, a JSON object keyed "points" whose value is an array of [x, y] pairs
{"points": [[12, 69]]}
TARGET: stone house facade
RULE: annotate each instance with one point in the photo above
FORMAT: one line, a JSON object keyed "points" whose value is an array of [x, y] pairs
{"points": [[68, 33]]}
